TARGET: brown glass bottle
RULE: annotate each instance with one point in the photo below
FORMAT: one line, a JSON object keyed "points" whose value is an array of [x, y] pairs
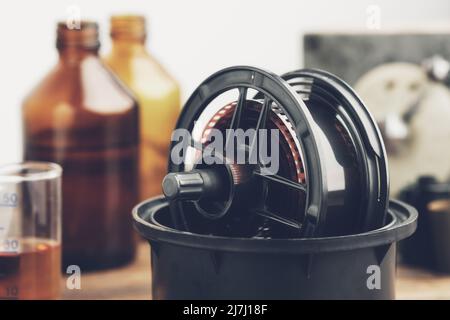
{"points": [[157, 92], [81, 117]]}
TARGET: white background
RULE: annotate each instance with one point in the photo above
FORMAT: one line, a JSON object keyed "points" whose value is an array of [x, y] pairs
{"points": [[191, 38]]}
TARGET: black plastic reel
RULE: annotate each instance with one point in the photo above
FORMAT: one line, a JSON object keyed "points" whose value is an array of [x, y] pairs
{"points": [[274, 92], [345, 185], [358, 149]]}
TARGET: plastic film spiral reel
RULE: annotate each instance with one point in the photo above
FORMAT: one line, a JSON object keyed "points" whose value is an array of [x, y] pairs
{"points": [[330, 174]]}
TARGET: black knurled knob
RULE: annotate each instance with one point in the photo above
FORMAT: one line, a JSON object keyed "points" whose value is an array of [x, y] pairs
{"points": [[183, 186]]}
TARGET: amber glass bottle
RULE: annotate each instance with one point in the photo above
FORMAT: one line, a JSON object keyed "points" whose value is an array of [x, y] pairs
{"points": [[82, 117], [157, 94]]}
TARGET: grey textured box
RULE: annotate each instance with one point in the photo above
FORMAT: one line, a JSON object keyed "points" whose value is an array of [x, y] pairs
{"points": [[352, 55], [392, 62]]}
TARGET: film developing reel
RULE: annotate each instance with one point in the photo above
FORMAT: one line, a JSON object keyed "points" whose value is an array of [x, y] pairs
{"points": [[357, 177], [318, 161]]}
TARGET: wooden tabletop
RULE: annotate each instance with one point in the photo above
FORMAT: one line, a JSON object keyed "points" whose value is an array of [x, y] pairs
{"points": [[134, 282]]}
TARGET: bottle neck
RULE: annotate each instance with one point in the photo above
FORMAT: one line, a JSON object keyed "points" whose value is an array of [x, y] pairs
{"points": [[77, 43], [124, 46], [128, 34], [74, 55]]}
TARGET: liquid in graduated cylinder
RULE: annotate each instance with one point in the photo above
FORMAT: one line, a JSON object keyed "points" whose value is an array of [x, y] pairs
{"points": [[81, 117], [32, 272]]}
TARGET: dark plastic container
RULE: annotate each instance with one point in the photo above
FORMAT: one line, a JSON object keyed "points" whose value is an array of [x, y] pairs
{"points": [[439, 218], [193, 266], [429, 247]]}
